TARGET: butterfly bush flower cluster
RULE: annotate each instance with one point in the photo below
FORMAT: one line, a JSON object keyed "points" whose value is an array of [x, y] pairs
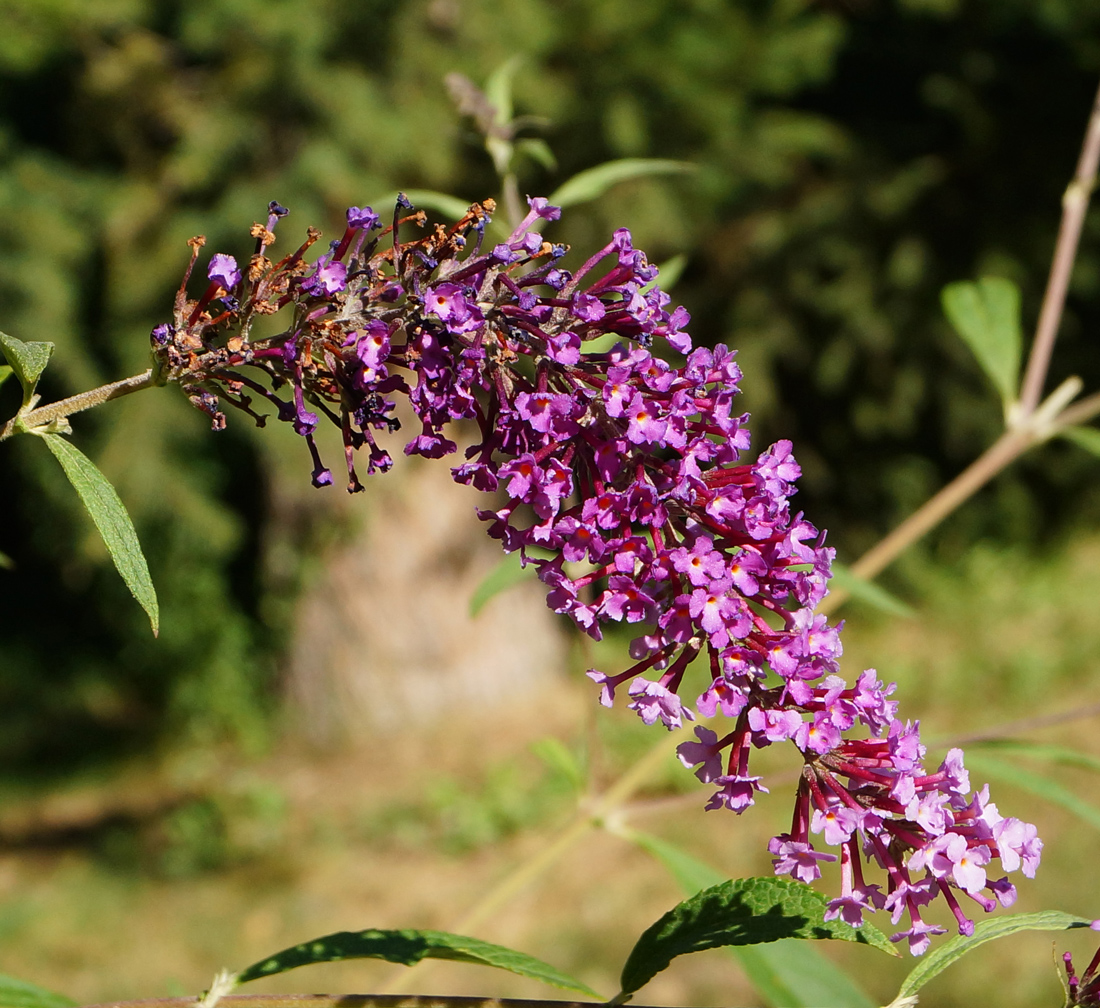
{"points": [[618, 462]]}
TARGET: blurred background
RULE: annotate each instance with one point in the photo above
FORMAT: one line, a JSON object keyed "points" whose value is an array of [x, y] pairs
{"points": [[324, 736]]}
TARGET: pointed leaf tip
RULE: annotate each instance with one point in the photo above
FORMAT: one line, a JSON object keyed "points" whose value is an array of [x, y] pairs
{"points": [[408, 948], [27, 360], [107, 511], [936, 961], [986, 315]]}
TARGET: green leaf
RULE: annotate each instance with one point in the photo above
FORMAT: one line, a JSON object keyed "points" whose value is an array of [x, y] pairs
{"points": [[505, 574], [6, 372], [1039, 785], [27, 360], [109, 514], [936, 961], [537, 150], [1039, 750], [986, 315], [408, 948], [1084, 437], [592, 183], [872, 594], [668, 273], [788, 972], [739, 912], [498, 89], [21, 994], [6, 562], [562, 760]]}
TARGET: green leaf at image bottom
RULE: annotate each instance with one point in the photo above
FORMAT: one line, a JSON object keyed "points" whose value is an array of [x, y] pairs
{"points": [[936, 961], [21, 994], [787, 973], [109, 514], [739, 912], [408, 948]]}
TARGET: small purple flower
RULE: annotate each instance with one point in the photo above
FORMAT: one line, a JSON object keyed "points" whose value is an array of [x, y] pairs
{"points": [[655, 702], [734, 792], [362, 217], [327, 279], [223, 271], [706, 753], [798, 859]]}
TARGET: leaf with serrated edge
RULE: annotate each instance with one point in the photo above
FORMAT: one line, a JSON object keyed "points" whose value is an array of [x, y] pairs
{"points": [[787, 972], [986, 315], [408, 948], [15, 993], [27, 360], [739, 912], [936, 961], [592, 183], [109, 514]]}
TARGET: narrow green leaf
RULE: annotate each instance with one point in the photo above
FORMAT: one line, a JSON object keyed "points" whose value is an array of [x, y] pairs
{"points": [[408, 948], [1084, 437], [592, 183], [739, 912], [505, 574], [21, 994], [1039, 785], [668, 273], [538, 150], [787, 973], [6, 372], [109, 514], [986, 315], [872, 594], [27, 360], [498, 89], [936, 961], [559, 758], [1038, 750]]}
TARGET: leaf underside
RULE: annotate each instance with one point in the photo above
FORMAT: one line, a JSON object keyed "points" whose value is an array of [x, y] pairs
{"points": [[408, 948]]}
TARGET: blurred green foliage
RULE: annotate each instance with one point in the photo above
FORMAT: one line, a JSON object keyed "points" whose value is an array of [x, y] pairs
{"points": [[854, 155]]}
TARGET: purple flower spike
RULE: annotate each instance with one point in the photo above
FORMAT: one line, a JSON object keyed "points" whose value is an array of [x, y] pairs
{"points": [[223, 271], [624, 478]]}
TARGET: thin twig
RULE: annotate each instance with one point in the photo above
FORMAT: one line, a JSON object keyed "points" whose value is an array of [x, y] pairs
{"points": [[74, 404], [1075, 204], [1005, 450]]}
